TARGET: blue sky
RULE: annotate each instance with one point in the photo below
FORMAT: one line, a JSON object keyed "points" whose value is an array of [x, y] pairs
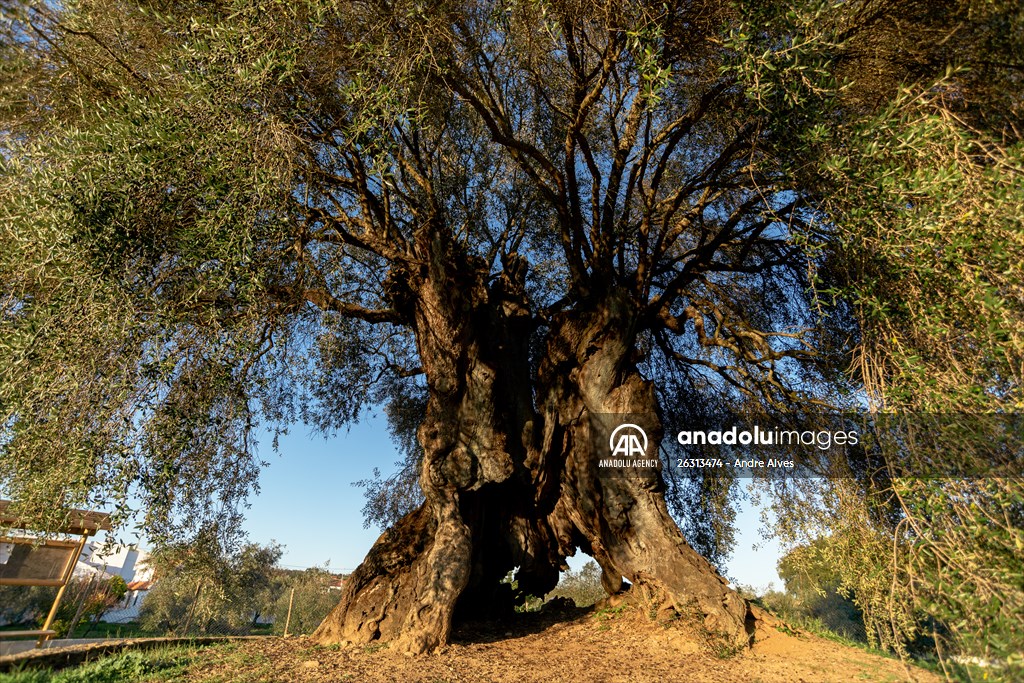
{"points": [[308, 504]]}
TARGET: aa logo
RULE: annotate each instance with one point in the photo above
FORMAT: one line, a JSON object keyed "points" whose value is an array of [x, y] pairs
{"points": [[628, 441]]}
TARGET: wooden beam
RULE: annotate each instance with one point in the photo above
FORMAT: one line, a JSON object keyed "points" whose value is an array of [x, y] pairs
{"points": [[42, 542], [77, 522], [22, 634]]}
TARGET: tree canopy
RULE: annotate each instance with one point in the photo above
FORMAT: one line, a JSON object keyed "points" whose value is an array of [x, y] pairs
{"points": [[238, 190], [498, 220]]}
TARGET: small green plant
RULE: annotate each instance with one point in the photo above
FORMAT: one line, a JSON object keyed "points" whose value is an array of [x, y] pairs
{"points": [[724, 650], [610, 612]]}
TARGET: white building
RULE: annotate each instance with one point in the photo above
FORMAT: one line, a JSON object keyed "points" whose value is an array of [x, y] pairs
{"points": [[128, 562]]}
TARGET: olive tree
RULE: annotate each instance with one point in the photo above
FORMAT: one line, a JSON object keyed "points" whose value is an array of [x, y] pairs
{"points": [[503, 221]]}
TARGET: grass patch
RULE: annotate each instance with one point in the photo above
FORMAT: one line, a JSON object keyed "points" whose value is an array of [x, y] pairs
{"points": [[235, 663], [818, 628], [162, 664]]}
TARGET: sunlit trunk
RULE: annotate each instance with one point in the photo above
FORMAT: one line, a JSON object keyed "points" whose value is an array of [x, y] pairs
{"points": [[508, 485], [623, 516]]}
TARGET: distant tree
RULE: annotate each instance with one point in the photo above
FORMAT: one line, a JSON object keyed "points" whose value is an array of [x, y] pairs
{"points": [[815, 594], [202, 587], [583, 587], [312, 600]]}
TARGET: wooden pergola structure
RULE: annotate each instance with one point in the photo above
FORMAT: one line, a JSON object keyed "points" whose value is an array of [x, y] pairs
{"points": [[40, 561]]}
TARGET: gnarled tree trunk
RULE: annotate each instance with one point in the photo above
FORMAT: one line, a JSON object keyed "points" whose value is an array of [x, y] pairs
{"points": [[623, 516], [510, 479]]}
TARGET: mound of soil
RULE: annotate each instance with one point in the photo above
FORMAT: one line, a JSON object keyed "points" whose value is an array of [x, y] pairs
{"points": [[604, 645]]}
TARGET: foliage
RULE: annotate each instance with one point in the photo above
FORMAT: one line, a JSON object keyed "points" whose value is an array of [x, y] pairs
{"points": [[921, 242], [942, 332], [583, 587], [205, 587], [813, 596], [89, 311]]}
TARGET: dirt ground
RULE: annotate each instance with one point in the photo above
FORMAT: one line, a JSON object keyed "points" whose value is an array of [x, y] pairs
{"points": [[609, 646]]}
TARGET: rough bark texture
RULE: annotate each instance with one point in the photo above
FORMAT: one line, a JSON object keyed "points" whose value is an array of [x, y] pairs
{"points": [[624, 518], [510, 478]]}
